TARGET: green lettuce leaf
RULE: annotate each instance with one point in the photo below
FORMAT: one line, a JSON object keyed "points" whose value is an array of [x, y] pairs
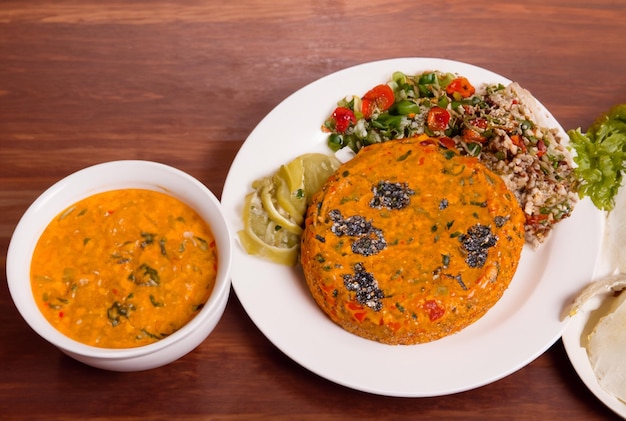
{"points": [[601, 157]]}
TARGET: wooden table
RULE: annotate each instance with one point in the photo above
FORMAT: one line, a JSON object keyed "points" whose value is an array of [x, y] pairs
{"points": [[184, 83]]}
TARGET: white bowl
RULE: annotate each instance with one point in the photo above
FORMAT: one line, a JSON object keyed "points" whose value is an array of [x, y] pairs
{"points": [[97, 179]]}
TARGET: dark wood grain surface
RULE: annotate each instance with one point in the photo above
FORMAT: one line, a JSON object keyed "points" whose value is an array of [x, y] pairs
{"points": [[184, 83]]}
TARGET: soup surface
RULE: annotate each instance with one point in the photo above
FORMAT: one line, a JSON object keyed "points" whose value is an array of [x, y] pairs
{"points": [[124, 268]]}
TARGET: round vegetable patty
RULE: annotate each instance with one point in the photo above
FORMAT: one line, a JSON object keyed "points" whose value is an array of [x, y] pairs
{"points": [[408, 243]]}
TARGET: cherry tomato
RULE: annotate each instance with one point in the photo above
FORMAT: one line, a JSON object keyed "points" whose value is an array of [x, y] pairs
{"points": [[434, 310], [437, 119], [379, 98], [481, 123], [462, 86], [343, 117]]}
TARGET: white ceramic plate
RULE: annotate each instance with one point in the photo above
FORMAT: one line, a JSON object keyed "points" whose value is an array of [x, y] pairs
{"points": [[581, 325], [578, 329], [520, 327]]}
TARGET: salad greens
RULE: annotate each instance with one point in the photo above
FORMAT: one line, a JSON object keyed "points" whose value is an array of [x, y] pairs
{"points": [[407, 106], [601, 157]]}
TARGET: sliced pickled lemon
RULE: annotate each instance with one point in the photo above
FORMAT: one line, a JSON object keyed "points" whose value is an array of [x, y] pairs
{"points": [[293, 203], [293, 174], [274, 212], [317, 168], [262, 237], [275, 215], [255, 246], [297, 181], [254, 216], [257, 220]]}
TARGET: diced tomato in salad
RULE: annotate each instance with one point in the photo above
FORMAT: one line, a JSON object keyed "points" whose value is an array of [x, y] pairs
{"points": [[405, 106], [379, 98], [442, 105], [438, 119], [343, 118]]}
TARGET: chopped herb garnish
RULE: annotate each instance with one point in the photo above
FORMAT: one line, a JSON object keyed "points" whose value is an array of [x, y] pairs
{"points": [[117, 311], [152, 335], [202, 243], [154, 302], [405, 155], [479, 204], [148, 238], [147, 276], [445, 260], [449, 154]]}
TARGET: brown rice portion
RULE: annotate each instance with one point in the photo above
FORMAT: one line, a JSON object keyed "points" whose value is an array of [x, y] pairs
{"points": [[532, 159]]}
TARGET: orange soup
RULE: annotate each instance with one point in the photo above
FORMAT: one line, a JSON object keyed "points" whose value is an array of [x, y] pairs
{"points": [[124, 268]]}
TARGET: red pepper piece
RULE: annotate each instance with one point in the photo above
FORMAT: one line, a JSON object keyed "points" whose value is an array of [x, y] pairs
{"points": [[472, 134], [462, 86], [360, 316], [434, 310], [518, 141], [447, 143]]}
